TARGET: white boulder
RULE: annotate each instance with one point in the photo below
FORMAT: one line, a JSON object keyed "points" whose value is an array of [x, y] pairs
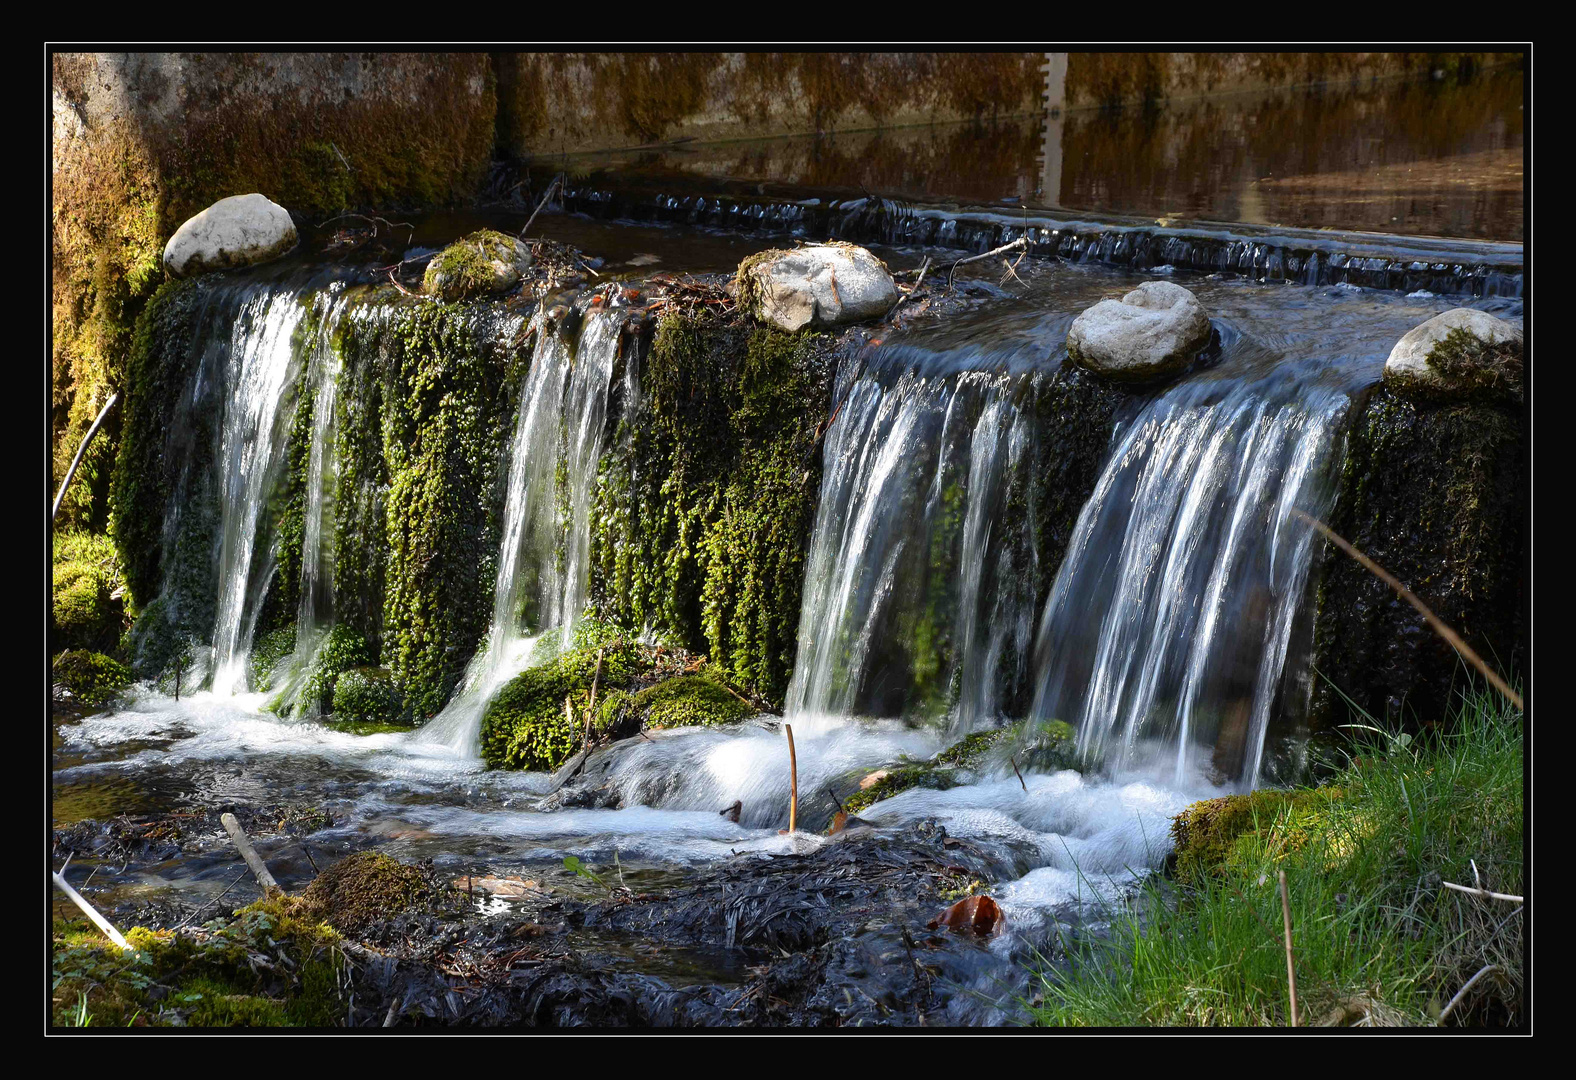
{"points": [[1449, 353], [817, 286], [1153, 330], [239, 231]]}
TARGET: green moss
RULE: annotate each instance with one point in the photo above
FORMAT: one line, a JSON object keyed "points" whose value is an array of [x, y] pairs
{"points": [[526, 725], [899, 779], [203, 976], [268, 651], [94, 679], [480, 264], [1218, 835], [690, 701], [1472, 369], [705, 502], [367, 696], [364, 888], [342, 650], [89, 610]]}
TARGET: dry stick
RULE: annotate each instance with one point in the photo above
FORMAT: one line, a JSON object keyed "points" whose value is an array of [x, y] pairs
{"points": [[1291, 970], [92, 431], [793, 777], [1433, 620], [253, 860], [1484, 892], [87, 909], [547, 195], [1022, 242], [1014, 761], [585, 742], [1463, 991]]}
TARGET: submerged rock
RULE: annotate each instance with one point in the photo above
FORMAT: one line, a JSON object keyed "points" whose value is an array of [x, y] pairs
{"points": [[242, 230], [817, 286], [1460, 353], [1153, 330], [481, 264]]}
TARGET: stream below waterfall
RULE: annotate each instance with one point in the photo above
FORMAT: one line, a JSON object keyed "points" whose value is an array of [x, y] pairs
{"points": [[1172, 637]]}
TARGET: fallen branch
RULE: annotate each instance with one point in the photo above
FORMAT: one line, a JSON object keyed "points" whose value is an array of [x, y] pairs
{"points": [[98, 920], [92, 431], [1014, 762], [1433, 620], [1484, 893], [1291, 970], [557, 182], [585, 741], [259, 868]]}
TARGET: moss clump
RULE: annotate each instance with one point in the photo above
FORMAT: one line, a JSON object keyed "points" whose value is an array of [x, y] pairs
{"points": [[690, 701], [481, 264], [365, 888], [899, 779], [367, 695], [342, 650], [1469, 368], [705, 502], [268, 651], [202, 976], [527, 725], [89, 610], [92, 678], [1220, 835]]}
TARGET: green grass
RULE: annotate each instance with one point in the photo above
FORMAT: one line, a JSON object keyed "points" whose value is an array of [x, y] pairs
{"points": [[1378, 940]]}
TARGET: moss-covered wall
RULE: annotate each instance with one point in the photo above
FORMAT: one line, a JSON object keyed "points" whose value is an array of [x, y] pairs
{"points": [[145, 140], [551, 103], [1436, 493], [1114, 78], [706, 498]]}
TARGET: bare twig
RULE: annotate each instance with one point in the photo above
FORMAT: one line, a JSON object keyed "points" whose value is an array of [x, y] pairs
{"points": [[585, 741], [253, 860], [1484, 893], [92, 431], [88, 909], [1022, 243], [548, 194], [1014, 762], [1291, 969], [1463, 991], [1433, 620], [793, 779], [199, 910]]}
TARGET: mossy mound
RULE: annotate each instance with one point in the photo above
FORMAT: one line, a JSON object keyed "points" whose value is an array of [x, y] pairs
{"points": [[342, 650], [484, 263], [92, 679], [690, 701], [1217, 835], [268, 651], [89, 610], [1475, 369], [208, 976], [368, 695], [367, 887]]}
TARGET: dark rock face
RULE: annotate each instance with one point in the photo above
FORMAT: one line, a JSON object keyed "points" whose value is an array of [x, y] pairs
{"points": [[1436, 493]]}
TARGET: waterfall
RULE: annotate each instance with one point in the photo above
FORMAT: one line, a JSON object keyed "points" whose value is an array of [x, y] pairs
{"points": [[263, 364], [542, 559], [910, 604], [1167, 632]]}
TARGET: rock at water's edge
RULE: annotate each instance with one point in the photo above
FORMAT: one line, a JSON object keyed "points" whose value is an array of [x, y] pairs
{"points": [[1153, 330], [1455, 354], [481, 264], [242, 230], [817, 286]]}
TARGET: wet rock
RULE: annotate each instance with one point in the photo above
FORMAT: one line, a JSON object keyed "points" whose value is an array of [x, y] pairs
{"points": [[242, 230], [485, 263], [817, 286], [1462, 353], [1152, 331]]}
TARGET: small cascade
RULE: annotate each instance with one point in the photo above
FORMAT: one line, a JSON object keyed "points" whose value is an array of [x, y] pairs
{"points": [[542, 561], [264, 362], [1167, 633], [912, 601]]}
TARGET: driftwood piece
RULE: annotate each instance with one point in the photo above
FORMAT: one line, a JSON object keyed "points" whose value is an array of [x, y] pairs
{"points": [[86, 439], [90, 911], [253, 860]]}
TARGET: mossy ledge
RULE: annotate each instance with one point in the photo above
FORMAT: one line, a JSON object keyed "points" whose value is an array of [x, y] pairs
{"points": [[92, 680], [706, 498]]}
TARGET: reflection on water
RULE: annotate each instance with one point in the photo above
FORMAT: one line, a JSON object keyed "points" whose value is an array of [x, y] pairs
{"points": [[1427, 158]]}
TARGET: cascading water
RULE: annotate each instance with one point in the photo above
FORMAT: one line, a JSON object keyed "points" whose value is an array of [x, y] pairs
{"points": [[264, 362], [910, 603], [541, 584], [1166, 635]]}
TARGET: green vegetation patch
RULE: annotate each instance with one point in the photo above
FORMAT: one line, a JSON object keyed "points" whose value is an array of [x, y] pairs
{"points": [[367, 696], [94, 679], [368, 887], [89, 610]]}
